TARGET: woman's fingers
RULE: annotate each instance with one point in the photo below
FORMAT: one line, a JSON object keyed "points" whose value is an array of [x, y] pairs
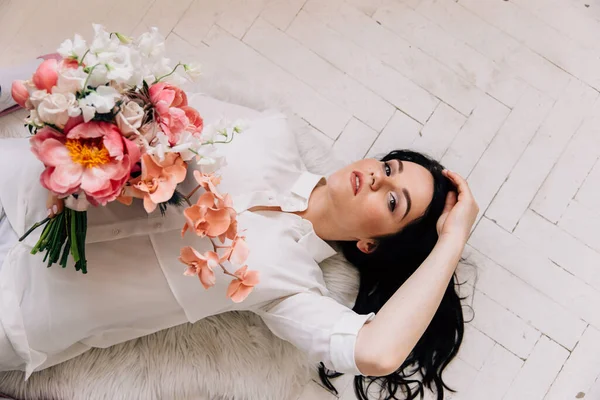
{"points": [[461, 184], [450, 202], [464, 191], [54, 204]]}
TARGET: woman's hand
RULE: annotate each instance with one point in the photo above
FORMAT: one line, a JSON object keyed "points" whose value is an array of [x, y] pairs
{"points": [[54, 204], [460, 213]]}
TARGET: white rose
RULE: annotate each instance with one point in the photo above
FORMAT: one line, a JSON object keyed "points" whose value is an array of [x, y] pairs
{"points": [[70, 80], [56, 108], [37, 96], [130, 118]]}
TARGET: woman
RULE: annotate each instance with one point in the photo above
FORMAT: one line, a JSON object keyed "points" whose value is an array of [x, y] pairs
{"points": [[397, 220]]}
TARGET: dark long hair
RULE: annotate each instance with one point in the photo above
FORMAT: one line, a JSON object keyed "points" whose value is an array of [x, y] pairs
{"points": [[384, 271]]}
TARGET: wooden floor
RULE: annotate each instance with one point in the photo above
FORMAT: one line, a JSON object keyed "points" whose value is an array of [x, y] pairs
{"points": [[504, 92]]}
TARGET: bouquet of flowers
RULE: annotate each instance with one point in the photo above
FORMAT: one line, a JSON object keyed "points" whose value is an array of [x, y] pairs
{"points": [[110, 123]]}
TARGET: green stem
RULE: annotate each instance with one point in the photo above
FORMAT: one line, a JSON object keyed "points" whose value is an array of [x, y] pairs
{"points": [[224, 142], [45, 232], [65, 254], [34, 227], [169, 74], [83, 56], [73, 228], [81, 234], [88, 78]]}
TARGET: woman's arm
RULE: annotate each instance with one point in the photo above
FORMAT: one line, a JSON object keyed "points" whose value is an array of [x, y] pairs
{"points": [[383, 344]]}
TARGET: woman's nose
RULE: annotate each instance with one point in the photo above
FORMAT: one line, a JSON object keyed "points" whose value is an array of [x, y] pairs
{"points": [[377, 179]]}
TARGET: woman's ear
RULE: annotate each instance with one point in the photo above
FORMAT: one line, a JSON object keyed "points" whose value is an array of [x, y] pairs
{"points": [[367, 246]]}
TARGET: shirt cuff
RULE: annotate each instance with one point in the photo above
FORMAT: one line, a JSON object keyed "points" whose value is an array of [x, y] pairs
{"points": [[343, 342]]}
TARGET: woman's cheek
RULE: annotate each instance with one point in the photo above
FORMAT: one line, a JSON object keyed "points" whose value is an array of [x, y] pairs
{"points": [[373, 217]]}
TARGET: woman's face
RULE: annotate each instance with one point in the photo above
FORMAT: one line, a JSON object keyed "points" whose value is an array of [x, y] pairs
{"points": [[372, 198]]}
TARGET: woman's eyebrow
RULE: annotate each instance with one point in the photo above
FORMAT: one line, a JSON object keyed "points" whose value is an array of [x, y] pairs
{"points": [[408, 202], [400, 166]]}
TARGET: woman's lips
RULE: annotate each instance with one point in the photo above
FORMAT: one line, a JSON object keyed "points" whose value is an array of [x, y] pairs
{"points": [[356, 180]]}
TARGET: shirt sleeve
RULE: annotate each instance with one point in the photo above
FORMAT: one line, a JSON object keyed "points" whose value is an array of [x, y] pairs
{"points": [[318, 325]]}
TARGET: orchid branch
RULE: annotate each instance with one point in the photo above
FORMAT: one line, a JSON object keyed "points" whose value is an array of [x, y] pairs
{"points": [[215, 246]]}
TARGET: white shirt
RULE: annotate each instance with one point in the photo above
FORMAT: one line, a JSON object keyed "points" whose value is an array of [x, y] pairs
{"points": [[135, 285]]}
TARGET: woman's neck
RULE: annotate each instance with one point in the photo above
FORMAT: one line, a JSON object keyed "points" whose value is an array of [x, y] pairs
{"points": [[318, 213]]}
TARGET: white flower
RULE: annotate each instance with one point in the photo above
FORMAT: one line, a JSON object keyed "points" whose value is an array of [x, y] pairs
{"points": [[240, 125], [101, 101], [129, 119], [192, 71], [118, 64], [222, 130], [210, 158], [102, 41], [187, 146], [78, 204], [34, 119], [160, 146], [151, 44], [37, 96], [75, 48], [87, 111], [156, 69], [120, 73], [56, 108], [70, 80], [135, 60], [98, 75]]}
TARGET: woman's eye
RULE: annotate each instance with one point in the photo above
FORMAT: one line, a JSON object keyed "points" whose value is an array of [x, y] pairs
{"points": [[388, 169], [392, 203]]}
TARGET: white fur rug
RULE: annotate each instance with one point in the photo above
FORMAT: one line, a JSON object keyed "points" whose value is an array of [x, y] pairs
{"points": [[230, 356]]}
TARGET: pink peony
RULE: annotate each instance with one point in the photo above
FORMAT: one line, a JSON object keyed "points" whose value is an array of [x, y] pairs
{"points": [[92, 157], [164, 95], [241, 287], [173, 123], [20, 93], [46, 75], [169, 101], [196, 123]]}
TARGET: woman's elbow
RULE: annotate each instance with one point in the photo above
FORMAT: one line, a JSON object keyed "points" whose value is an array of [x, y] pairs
{"points": [[371, 364]]}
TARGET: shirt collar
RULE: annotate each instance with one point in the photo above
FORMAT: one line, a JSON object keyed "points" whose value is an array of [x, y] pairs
{"points": [[305, 184], [317, 247]]}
